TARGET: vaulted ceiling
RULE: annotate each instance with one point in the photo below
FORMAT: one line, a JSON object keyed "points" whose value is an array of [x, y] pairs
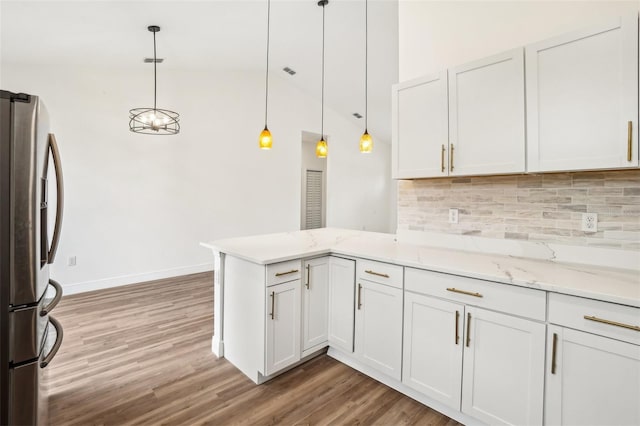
{"points": [[228, 35]]}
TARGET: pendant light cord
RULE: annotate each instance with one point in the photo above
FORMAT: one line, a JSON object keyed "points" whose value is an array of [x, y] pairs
{"points": [[155, 78], [366, 65], [322, 97], [266, 84]]}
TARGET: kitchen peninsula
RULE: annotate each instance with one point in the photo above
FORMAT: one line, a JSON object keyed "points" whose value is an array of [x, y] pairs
{"points": [[532, 328]]}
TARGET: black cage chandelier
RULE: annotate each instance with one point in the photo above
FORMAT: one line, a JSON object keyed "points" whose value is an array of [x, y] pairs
{"points": [[154, 121]]}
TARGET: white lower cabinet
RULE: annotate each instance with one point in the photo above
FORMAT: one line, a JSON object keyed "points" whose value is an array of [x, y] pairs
{"points": [[315, 303], [487, 364], [432, 356], [503, 368], [500, 381], [282, 326], [593, 362], [591, 379], [342, 275], [378, 327]]}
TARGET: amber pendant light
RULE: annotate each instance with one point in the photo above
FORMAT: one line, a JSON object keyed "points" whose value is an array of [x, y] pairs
{"points": [[265, 141], [154, 121], [366, 143], [321, 147]]}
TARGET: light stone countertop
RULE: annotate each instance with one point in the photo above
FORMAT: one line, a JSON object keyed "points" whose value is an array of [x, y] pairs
{"points": [[608, 284]]}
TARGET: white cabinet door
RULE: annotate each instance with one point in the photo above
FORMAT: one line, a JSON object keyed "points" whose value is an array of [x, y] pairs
{"points": [[595, 380], [315, 299], [432, 354], [341, 303], [378, 331], [503, 368], [486, 116], [582, 93], [420, 134], [283, 326]]}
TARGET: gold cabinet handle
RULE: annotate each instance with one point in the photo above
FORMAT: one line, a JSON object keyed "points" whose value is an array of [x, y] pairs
{"points": [[629, 139], [457, 320], [451, 153], [614, 323], [442, 159], [554, 349], [468, 328], [307, 284], [468, 293], [377, 273], [273, 304], [293, 271], [359, 296]]}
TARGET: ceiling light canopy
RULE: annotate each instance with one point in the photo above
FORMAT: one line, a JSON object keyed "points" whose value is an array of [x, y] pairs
{"points": [[154, 121]]}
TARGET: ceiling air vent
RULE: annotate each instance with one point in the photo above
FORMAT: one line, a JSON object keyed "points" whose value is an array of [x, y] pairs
{"points": [[357, 115], [150, 60], [288, 70]]}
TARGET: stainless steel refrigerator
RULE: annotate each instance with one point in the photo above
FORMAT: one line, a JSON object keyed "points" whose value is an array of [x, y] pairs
{"points": [[31, 186]]}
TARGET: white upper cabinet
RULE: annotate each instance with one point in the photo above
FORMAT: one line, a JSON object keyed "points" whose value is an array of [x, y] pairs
{"points": [[486, 116], [420, 134], [582, 99]]}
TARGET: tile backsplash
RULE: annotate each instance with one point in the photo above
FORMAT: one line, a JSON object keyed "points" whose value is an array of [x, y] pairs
{"points": [[546, 207]]}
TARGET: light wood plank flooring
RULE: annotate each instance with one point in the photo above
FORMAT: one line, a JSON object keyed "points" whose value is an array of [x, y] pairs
{"points": [[141, 354]]}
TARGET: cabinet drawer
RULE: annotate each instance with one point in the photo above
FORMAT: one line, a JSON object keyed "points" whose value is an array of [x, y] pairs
{"points": [[383, 273], [499, 297], [284, 271], [594, 316]]}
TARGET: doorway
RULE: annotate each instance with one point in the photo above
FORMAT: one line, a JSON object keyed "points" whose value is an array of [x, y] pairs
{"points": [[313, 200]]}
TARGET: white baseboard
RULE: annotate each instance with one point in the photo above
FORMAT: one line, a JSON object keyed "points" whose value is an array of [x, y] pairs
{"points": [[132, 279]]}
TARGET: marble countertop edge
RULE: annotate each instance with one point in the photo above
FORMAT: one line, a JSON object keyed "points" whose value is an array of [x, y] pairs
{"points": [[620, 286]]}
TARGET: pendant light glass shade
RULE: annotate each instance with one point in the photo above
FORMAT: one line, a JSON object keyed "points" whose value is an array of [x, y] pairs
{"points": [[265, 141], [366, 143], [154, 121], [322, 149]]}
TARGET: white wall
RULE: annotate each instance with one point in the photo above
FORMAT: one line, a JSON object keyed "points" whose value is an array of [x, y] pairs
{"points": [[435, 35], [137, 206]]}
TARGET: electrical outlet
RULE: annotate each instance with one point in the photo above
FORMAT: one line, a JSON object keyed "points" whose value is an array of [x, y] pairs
{"points": [[453, 215], [72, 261], [590, 222]]}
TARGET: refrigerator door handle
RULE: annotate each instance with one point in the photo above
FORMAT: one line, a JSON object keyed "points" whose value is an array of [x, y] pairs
{"points": [[54, 350], [56, 299], [55, 152]]}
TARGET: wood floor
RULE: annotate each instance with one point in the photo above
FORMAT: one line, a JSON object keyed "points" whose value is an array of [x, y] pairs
{"points": [[141, 354]]}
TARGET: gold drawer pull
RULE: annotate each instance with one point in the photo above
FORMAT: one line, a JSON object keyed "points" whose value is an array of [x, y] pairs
{"points": [[359, 296], [457, 321], [451, 153], [293, 271], [468, 293], [553, 353], [629, 140], [614, 323], [378, 274], [273, 304], [442, 159], [468, 328]]}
